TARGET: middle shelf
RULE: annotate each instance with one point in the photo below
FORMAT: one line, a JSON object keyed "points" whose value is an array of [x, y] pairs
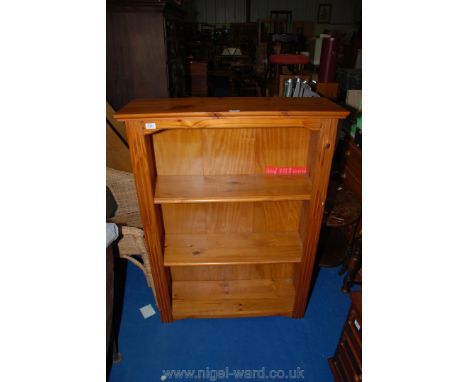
{"points": [[232, 248], [231, 188]]}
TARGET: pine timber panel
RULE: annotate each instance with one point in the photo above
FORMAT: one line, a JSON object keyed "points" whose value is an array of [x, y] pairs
{"points": [[143, 165], [232, 217], [234, 272], [229, 217], [178, 152], [232, 188], [241, 298], [216, 122], [322, 164], [237, 242], [237, 289], [230, 151], [282, 148], [232, 248], [277, 216], [231, 107], [184, 218]]}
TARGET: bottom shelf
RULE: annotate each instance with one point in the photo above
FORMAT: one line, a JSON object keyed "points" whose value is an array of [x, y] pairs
{"points": [[234, 298]]}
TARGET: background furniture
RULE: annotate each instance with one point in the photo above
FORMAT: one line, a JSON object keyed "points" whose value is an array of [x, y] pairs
{"points": [[117, 155], [349, 79], [351, 170], [340, 237], [131, 244], [328, 57], [144, 50], [282, 21], [111, 234], [353, 265], [354, 99], [351, 173], [284, 77], [224, 239], [328, 90], [340, 224], [276, 61], [198, 78], [114, 297], [346, 364]]}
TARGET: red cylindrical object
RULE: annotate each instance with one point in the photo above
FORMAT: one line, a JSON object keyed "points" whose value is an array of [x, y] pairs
{"points": [[327, 60]]}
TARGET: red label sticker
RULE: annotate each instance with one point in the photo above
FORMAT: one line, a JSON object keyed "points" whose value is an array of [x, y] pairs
{"points": [[272, 170]]}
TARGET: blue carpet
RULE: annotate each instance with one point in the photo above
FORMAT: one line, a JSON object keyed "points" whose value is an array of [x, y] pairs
{"points": [[274, 343]]}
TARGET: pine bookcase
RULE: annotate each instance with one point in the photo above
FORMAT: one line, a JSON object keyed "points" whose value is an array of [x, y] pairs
{"points": [[226, 235]]}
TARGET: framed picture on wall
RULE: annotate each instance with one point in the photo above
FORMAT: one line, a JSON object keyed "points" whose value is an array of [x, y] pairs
{"points": [[324, 14]]}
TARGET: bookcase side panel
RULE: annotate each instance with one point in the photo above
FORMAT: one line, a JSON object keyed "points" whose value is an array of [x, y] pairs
{"points": [[144, 170], [310, 225]]}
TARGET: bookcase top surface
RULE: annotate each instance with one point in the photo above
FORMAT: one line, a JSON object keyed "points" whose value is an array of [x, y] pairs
{"points": [[225, 107]]}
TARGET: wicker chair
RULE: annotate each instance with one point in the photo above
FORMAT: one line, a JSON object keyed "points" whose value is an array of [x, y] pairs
{"points": [[131, 244]]}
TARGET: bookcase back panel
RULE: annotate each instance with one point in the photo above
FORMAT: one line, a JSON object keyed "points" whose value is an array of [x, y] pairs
{"points": [[277, 216], [282, 148], [178, 152], [281, 216], [231, 151], [234, 272]]}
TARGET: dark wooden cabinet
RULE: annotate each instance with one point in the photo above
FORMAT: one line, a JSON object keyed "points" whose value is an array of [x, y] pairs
{"points": [[351, 171], [198, 81], [145, 53], [346, 364], [174, 34]]}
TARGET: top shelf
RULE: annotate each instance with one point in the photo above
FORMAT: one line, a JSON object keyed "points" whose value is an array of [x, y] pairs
{"points": [[228, 107], [231, 188]]}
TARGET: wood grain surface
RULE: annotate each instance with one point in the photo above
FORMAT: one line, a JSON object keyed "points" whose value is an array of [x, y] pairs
{"points": [[224, 239], [232, 248], [231, 188], [240, 298], [234, 272], [184, 108], [144, 170]]}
